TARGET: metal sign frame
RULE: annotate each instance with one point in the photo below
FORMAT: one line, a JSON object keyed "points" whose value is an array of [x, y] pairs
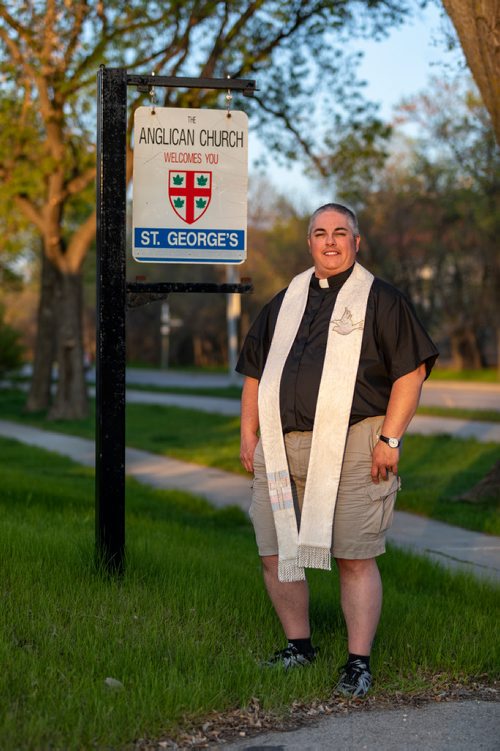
{"points": [[114, 295]]}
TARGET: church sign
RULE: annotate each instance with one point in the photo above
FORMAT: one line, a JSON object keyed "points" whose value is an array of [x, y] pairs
{"points": [[190, 185]]}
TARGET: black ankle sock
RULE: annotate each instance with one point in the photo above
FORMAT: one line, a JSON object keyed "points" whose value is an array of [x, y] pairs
{"points": [[364, 658], [304, 646]]}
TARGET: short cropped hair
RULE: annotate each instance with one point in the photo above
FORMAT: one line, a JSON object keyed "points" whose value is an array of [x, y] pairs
{"points": [[349, 213]]}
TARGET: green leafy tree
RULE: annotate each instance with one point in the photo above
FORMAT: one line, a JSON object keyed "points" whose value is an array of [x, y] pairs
{"points": [[49, 53], [433, 222], [430, 224], [477, 25]]}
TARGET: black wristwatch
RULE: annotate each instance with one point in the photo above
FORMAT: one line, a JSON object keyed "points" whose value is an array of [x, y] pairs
{"points": [[394, 443]]}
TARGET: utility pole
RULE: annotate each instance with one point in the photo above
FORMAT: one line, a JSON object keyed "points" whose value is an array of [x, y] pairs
{"points": [[233, 311]]}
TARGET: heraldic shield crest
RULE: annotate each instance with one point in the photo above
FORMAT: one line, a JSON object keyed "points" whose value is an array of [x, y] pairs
{"points": [[189, 192]]}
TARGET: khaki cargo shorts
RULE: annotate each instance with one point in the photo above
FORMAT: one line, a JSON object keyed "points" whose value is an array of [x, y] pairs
{"points": [[364, 510]]}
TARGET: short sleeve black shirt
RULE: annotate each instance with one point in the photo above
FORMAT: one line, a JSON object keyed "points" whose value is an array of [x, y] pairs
{"points": [[394, 343]]}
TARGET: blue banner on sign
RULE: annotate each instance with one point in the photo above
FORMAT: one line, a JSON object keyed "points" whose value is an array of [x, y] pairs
{"points": [[192, 239]]}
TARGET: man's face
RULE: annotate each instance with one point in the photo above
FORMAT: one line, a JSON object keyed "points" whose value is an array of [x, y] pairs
{"points": [[332, 244]]}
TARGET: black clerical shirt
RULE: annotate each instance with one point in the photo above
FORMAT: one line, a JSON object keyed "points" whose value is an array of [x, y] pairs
{"points": [[394, 343]]}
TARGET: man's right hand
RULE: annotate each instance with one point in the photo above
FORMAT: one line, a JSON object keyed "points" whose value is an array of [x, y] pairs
{"points": [[247, 450], [249, 422]]}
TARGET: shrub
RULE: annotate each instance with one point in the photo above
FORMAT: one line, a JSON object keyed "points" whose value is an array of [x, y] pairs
{"points": [[11, 350]]}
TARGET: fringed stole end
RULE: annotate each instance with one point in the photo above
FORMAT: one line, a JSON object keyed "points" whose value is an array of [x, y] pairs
{"points": [[288, 571], [311, 557], [307, 557]]}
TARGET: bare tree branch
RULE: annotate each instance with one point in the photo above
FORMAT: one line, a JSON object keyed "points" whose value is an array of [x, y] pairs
{"points": [[16, 53], [30, 212], [315, 159], [81, 13], [79, 183], [80, 242], [49, 42], [225, 41], [21, 30], [217, 48]]}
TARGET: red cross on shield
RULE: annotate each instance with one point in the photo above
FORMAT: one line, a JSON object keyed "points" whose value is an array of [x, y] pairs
{"points": [[189, 192]]}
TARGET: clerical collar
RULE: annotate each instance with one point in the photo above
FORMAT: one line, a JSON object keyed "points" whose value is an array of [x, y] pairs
{"points": [[332, 282]]}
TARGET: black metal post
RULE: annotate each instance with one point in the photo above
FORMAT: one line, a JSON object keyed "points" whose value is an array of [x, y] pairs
{"points": [[110, 350]]}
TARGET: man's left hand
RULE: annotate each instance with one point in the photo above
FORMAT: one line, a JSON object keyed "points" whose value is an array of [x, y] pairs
{"points": [[384, 460]]}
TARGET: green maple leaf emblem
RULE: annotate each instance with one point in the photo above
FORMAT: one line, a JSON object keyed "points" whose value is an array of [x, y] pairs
{"points": [[202, 180], [179, 203], [177, 180], [200, 203]]}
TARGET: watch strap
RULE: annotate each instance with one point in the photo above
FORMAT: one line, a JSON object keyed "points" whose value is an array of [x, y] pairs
{"points": [[392, 442]]}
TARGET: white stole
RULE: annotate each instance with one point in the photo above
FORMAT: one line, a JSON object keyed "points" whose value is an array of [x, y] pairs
{"points": [[311, 547]]}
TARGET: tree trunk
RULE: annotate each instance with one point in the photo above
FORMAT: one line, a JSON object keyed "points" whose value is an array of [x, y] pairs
{"points": [[498, 352], [71, 401], [465, 349], [486, 489], [477, 24], [39, 393]]}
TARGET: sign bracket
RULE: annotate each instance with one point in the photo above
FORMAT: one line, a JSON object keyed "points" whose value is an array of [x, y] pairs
{"points": [[144, 83]]}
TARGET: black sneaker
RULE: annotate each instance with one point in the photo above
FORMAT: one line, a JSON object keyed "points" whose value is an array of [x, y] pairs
{"points": [[290, 657], [355, 679]]}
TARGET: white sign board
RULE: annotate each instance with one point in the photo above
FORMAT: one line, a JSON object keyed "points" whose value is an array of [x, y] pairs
{"points": [[190, 185]]}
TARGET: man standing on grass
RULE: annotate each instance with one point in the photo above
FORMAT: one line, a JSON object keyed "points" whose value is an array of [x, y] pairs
{"points": [[334, 367]]}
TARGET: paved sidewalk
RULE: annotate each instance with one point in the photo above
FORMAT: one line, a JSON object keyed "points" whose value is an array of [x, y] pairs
{"points": [[452, 547], [444, 726], [461, 394], [465, 394]]}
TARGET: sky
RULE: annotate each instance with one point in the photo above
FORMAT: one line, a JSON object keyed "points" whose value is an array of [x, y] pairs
{"points": [[398, 66]]}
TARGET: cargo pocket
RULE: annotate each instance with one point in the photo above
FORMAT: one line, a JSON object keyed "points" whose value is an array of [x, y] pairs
{"points": [[384, 495], [260, 492]]}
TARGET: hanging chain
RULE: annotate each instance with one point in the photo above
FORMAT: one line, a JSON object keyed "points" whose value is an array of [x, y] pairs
{"points": [[152, 96], [229, 99]]}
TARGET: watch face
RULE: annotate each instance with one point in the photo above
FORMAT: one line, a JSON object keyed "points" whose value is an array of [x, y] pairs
{"points": [[393, 443]]}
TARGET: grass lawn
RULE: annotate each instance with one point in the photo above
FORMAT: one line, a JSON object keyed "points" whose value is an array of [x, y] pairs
{"points": [[184, 630], [435, 469], [221, 392], [482, 415], [484, 375]]}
